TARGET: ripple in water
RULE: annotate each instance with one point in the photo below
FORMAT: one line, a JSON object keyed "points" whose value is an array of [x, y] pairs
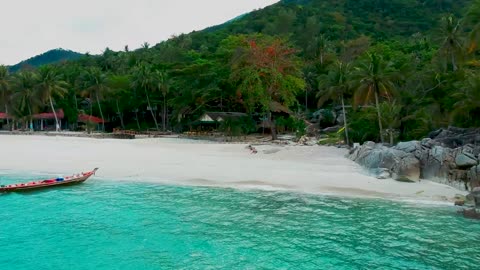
{"points": [[113, 225]]}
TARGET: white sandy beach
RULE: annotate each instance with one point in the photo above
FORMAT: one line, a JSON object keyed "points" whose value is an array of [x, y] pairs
{"points": [[313, 169]]}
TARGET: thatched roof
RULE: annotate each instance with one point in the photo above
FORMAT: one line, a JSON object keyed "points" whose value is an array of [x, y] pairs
{"points": [[209, 117], [277, 107], [38, 116]]}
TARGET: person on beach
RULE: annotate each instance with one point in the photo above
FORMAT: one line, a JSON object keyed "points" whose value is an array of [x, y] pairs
{"points": [[252, 149]]}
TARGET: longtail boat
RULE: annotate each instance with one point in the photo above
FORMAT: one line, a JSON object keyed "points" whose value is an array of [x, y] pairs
{"points": [[61, 181]]}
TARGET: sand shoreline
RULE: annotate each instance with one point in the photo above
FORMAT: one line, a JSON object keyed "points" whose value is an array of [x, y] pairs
{"points": [[310, 169]]}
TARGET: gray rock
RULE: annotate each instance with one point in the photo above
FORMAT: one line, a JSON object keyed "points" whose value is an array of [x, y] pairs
{"points": [[340, 121], [381, 173], [427, 143], [474, 177], [404, 166], [425, 159], [409, 147], [407, 169], [456, 137], [475, 194], [439, 153], [465, 160], [332, 129]]}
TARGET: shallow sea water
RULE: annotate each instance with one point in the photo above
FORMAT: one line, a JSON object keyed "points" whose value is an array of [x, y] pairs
{"points": [[118, 225]]}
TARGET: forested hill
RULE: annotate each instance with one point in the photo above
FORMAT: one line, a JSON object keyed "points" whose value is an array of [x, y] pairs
{"points": [[50, 57], [303, 20], [399, 68]]}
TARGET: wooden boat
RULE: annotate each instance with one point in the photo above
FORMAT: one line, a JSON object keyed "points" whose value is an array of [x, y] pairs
{"points": [[61, 181]]}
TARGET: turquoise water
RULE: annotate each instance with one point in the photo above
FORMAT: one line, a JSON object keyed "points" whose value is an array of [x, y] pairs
{"points": [[117, 225]]}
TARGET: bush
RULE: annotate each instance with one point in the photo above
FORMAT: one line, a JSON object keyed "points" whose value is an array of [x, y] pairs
{"points": [[363, 125], [327, 119], [291, 124], [238, 126]]}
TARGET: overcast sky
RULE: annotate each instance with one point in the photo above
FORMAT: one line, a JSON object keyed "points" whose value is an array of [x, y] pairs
{"points": [[31, 27]]}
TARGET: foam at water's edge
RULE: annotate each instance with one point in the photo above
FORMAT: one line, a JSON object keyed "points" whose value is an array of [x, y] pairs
{"points": [[249, 185], [263, 186]]}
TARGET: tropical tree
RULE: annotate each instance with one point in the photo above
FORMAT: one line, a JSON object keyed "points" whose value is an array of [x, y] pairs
{"points": [[468, 100], [119, 86], [473, 19], [94, 84], [267, 74], [25, 96], [163, 84], [144, 78], [323, 48], [451, 43], [72, 75], [334, 86], [5, 88], [374, 77], [391, 118], [51, 85]]}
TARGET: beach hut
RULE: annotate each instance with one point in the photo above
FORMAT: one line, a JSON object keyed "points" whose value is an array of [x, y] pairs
{"points": [[46, 121], [215, 117], [210, 121], [41, 121], [86, 119], [4, 118]]}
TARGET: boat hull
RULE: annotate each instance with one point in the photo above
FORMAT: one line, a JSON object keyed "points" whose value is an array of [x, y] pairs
{"points": [[48, 183]]}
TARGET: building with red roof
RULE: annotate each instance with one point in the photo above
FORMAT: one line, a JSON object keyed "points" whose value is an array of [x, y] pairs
{"points": [[46, 121]]}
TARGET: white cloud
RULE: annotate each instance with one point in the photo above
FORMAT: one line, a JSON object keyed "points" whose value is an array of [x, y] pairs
{"points": [[30, 27]]}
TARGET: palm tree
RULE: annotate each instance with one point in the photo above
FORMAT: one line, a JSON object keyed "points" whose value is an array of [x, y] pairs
{"points": [[468, 98], [50, 85], [323, 48], [164, 83], [473, 19], [374, 77], [451, 40], [25, 95], [95, 84], [119, 85], [144, 78], [391, 118], [334, 86], [5, 88]]}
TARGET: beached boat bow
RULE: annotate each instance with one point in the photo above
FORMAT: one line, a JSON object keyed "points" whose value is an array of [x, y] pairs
{"points": [[61, 181]]}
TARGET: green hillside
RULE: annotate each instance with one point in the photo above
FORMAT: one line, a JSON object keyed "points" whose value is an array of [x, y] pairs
{"points": [[50, 57], [304, 20], [401, 68]]}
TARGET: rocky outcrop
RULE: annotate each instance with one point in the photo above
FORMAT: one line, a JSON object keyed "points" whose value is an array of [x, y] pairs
{"points": [[475, 194], [386, 162], [430, 159], [453, 137], [473, 176]]}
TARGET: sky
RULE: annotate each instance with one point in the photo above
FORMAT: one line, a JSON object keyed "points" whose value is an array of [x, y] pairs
{"points": [[31, 27]]}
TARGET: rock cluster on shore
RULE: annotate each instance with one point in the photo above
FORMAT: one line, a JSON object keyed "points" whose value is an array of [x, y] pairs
{"points": [[449, 156]]}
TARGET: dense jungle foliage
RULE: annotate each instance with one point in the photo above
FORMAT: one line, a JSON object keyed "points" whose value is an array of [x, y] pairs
{"points": [[399, 68]]}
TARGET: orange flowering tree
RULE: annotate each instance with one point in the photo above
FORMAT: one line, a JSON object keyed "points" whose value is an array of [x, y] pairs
{"points": [[266, 71]]}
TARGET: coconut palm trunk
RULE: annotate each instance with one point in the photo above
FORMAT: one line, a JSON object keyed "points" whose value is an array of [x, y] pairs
{"points": [[120, 115], [164, 113], [101, 112], [136, 117], [345, 121], [273, 128], [454, 65], [151, 109], [6, 112], [379, 115], [30, 116], [57, 125]]}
